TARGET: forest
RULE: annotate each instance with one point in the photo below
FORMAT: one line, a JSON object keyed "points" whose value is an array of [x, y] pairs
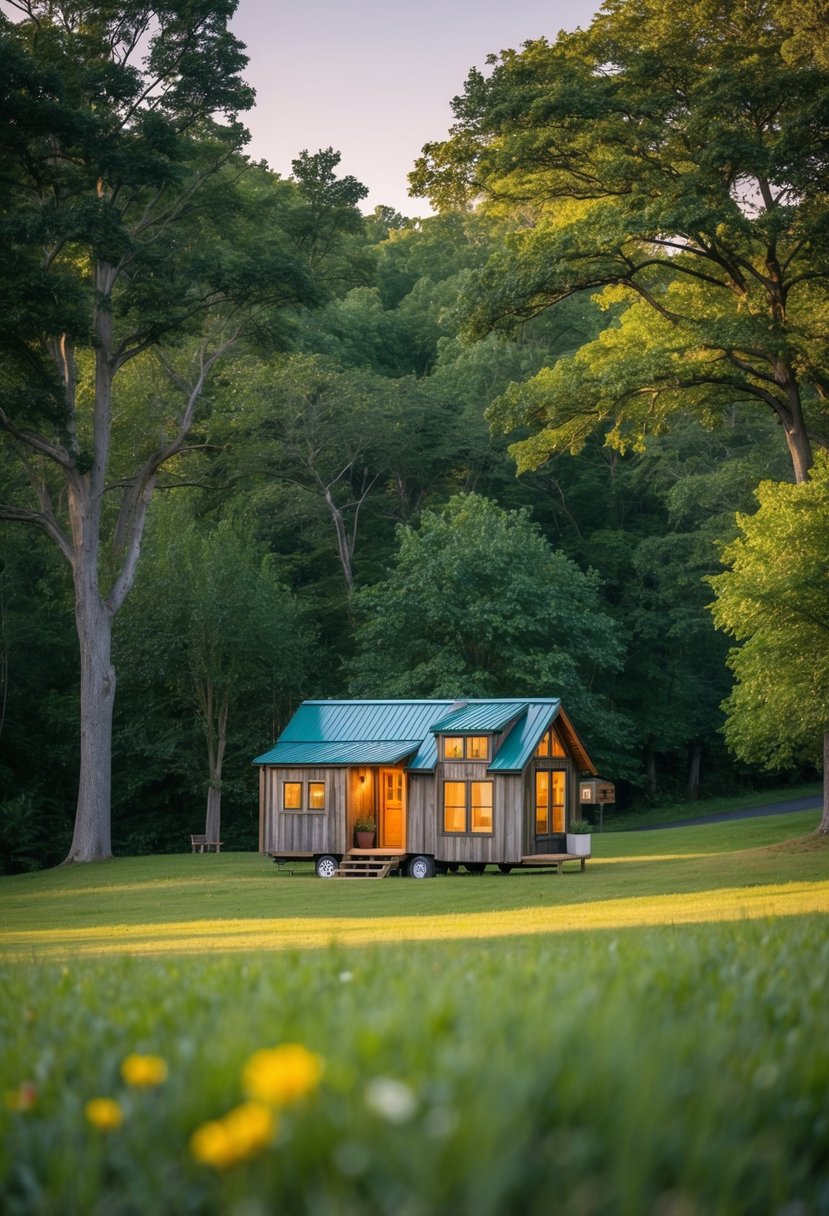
{"points": [[564, 436]]}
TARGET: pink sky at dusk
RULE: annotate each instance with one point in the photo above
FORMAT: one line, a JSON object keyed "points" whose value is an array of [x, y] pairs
{"points": [[374, 80]]}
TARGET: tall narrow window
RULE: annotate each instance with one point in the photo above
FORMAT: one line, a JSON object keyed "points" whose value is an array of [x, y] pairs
{"points": [[557, 746], [454, 806], [481, 805], [550, 801], [316, 795], [542, 803], [558, 801]]}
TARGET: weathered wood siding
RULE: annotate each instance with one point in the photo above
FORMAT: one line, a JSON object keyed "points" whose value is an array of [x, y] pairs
{"points": [[504, 843], [304, 831], [420, 836]]}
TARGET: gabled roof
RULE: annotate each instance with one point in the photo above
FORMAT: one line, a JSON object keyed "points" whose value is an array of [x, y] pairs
{"points": [[478, 716], [330, 733]]}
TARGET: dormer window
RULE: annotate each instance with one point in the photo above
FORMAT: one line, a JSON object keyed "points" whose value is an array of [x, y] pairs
{"points": [[466, 747], [551, 745]]}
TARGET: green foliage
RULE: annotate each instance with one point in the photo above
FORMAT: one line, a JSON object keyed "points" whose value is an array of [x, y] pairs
{"points": [[675, 168], [478, 604], [772, 599], [212, 647]]}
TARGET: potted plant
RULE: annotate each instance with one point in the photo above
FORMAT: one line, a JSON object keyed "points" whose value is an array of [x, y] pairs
{"points": [[365, 829], [578, 838]]}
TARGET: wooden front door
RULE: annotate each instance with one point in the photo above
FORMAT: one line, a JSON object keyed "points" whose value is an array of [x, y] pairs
{"points": [[392, 808]]}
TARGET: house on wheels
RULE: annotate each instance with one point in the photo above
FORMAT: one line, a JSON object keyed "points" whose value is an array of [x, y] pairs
{"points": [[442, 783]]}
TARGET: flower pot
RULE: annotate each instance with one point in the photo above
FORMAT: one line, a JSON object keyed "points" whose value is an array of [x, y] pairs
{"points": [[365, 840], [578, 844]]}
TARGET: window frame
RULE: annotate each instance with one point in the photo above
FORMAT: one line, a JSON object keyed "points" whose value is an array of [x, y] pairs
{"points": [[550, 805], [304, 807], [468, 807], [550, 740], [466, 740]]}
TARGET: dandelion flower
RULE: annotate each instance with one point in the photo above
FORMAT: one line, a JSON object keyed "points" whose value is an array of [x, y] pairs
{"points": [[241, 1133], [144, 1072], [282, 1075], [104, 1113]]}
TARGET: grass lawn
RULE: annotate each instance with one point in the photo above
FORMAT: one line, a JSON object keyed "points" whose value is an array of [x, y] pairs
{"points": [[646, 1037]]}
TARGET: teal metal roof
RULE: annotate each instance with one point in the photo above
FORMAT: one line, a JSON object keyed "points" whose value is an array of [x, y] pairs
{"points": [[358, 732], [480, 716], [524, 737], [326, 754], [386, 732]]}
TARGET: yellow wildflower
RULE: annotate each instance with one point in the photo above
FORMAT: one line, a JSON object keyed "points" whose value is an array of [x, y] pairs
{"points": [[143, 1072], [282, 1075], [243, 1131], [23, 1098], [104, 1113]]}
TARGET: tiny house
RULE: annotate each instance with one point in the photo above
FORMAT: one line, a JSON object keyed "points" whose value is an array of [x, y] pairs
{"points": [[444, 783]]}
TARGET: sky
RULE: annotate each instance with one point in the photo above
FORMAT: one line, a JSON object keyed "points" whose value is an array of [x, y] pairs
{"points": [[375, 80]]}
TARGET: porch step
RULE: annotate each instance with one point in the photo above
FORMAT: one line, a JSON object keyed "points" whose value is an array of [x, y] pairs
{"points": [[362, 863]]}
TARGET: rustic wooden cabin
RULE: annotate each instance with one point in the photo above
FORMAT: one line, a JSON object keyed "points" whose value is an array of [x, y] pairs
{"points": [[445, 783]]}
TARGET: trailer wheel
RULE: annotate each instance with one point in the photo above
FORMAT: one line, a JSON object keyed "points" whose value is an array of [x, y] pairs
{"points": [[421, 866], [475, 867], [504, 868], [326, 866]]}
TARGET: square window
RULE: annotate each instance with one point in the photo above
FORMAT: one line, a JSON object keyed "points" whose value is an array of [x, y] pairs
{"points": [[292, 796], [453, 748], [477, 747], [316, 795]]}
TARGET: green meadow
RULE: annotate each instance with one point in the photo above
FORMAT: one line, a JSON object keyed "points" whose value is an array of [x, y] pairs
{"points": [[646, 1037]]}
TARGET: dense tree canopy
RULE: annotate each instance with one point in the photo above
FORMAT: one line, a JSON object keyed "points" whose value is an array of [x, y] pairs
{"points": [[677, 169], [633, 241], [479, 604]]}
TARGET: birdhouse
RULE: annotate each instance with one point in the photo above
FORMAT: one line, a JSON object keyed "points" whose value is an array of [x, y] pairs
{"points": [[595, 792]]}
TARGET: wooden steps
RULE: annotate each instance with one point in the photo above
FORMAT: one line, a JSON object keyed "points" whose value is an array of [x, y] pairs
{"points": [[369, 863]]}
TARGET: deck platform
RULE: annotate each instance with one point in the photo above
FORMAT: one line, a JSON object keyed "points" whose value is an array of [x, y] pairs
{"points": [[553, 860]]}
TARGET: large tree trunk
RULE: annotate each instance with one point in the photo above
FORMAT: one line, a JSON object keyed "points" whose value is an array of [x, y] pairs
{"points": [[824, 821], [92, 839], [216, 732]]}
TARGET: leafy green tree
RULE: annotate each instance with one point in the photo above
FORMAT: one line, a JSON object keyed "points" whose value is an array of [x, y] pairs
{"points": [[212, 629], [131, 240], [677, 169], [478, 604], [773, 599]]}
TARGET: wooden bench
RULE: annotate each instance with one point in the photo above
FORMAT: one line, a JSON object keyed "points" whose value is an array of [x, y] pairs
{"points": [[200, 844]]}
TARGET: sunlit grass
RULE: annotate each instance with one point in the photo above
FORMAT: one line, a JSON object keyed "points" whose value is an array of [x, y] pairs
{"points": [[647, 1037]]}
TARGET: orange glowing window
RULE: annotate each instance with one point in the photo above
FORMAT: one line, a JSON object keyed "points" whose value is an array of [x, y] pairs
{"points": [[292, 796], [454, 806]]}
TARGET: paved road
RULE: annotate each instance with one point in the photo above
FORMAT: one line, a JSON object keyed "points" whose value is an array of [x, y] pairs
{"points": [[751, 812]]}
